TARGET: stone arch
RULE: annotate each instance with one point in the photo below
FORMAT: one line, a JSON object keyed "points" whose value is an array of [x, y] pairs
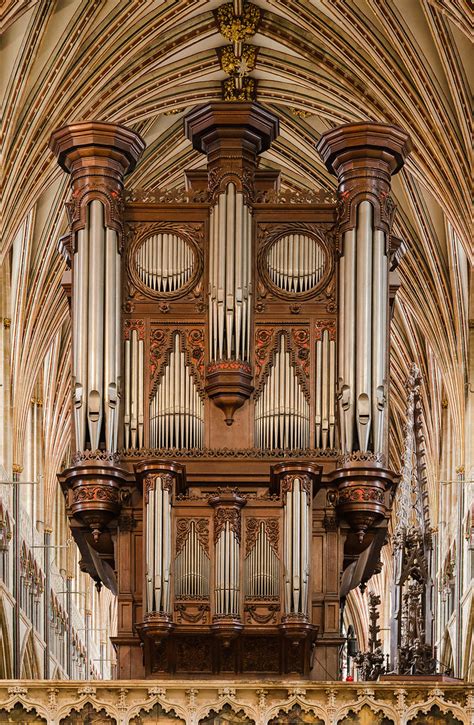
{"points": [[71, 713], [88, 715], [156, 714], [30, 668], [6, 669], [447, 658], [468, 659], [435, 716], [226, 715], [365, 716], [18, 714], [296, 715], [367, 711]]}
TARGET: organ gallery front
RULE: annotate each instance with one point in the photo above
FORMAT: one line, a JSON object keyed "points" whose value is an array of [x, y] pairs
{"points": [[230, 406]]}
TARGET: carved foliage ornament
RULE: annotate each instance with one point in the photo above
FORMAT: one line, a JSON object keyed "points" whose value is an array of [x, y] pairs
{"points": [[267, 340], [130, 325], [231, 171], [150, 483], [161, 344], [361, 494], [321, 325], [111, 198], [237, 65], [183, 526], [287, 484], [271, 532], [237, 28], [224, 515]]}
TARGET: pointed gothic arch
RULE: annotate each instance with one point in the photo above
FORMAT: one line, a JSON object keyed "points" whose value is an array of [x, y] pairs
{"points": [[30, 667], [6, 670]]}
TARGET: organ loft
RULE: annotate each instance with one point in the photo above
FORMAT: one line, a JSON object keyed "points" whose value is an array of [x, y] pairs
{"points": [[230, 392]]}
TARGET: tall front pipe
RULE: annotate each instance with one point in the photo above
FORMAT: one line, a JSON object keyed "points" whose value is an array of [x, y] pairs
{"points": [[364, 156]]}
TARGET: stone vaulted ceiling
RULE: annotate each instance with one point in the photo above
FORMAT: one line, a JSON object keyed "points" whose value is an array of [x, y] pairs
{"points": [[319, 64]]}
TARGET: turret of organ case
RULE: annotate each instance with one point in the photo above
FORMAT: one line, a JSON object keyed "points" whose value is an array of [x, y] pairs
{"points": [[230, 405]]}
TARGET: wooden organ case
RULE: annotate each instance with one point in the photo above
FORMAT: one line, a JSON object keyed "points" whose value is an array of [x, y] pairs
{"points": [[230, 408]]}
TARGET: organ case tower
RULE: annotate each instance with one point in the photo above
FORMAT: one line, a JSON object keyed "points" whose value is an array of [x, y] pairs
{"points": [[230, 407]]}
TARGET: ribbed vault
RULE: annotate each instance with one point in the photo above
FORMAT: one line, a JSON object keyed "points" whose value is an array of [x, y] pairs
{"points": [[319, 64]]}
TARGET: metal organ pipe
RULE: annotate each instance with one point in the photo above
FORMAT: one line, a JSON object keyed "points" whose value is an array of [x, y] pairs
{"points": [[95, 382], [347, 391], [165, 262], [261, 568], [230, 274], [379, 326], [158, 551], [96, 332], [282, 411], [362, 355], [134, 401], [364, 322], [296, 263], [227, 553], [325, 389], [297, 517], [176, 409]]}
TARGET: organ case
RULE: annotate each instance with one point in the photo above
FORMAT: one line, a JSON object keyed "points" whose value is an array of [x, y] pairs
{"points": [[230, 353]]}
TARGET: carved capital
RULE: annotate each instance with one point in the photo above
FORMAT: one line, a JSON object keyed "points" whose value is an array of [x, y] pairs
{"points": [[364, 156], [97, 155]]}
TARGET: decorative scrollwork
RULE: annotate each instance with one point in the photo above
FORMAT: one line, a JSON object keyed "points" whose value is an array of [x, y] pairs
{"points": [[225, 515]]}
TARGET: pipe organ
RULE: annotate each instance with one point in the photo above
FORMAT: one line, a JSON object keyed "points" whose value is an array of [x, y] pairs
{"points": [[176, 408], [282, 410], [229, 381]]}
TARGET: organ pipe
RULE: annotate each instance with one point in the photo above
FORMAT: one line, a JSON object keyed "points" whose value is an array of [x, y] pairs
{"points": [[362, 335], [325, 388], [282, 411], [176, 409], [296, 263], [192, 567], [165, 262], [158, 551], [297, 540], [230, 277], [134, 401], [227, 576], [96, 315], [261, 568]]}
